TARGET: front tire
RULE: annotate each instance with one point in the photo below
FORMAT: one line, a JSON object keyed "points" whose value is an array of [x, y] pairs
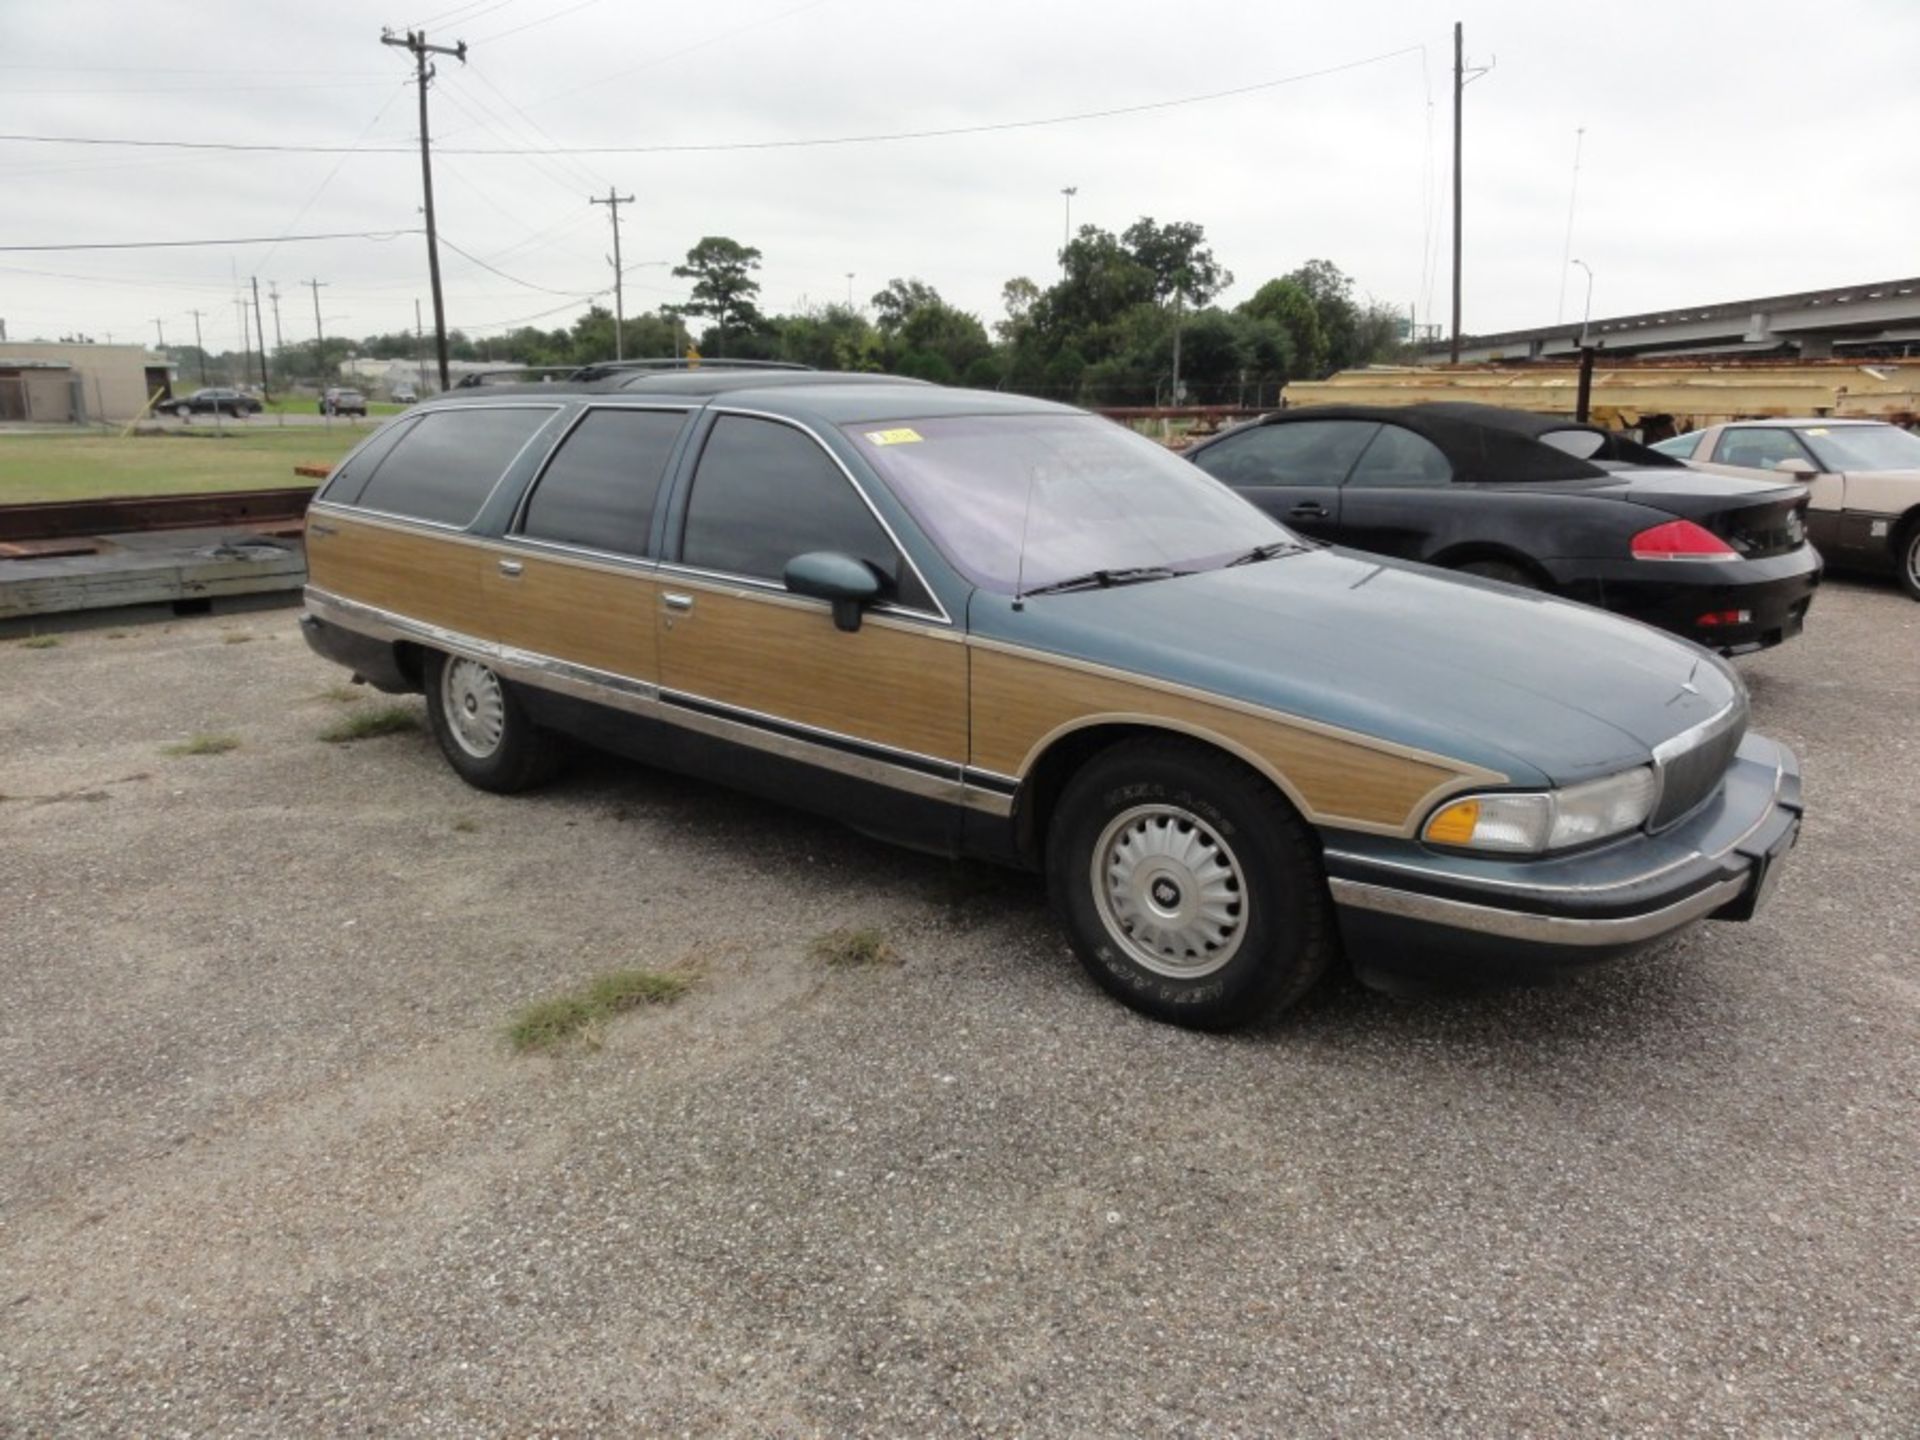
{"points": [[483, 729], [1907, 558], [1189, 887]]}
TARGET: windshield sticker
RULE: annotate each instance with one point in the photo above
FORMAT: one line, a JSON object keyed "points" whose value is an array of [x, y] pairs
{"points": [[1820, 431], [902, 436]]}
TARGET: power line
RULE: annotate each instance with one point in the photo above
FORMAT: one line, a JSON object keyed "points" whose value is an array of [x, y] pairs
{"points": [[415, 43], [993, 127], [525, 284], [381, 235]]}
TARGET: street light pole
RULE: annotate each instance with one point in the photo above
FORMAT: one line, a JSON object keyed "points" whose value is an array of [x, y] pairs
{"points": [[1586, 315], [1066, 227], [1583, 394]]}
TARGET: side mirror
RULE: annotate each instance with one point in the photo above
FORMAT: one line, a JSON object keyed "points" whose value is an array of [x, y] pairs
{"points": [[826, 575], [1793, 465]]}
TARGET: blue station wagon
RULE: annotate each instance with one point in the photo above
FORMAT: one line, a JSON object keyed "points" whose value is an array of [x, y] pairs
{"points": [[997, 627]]}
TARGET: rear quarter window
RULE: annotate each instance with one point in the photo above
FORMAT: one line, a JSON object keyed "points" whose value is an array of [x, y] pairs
{"points": [[444, 467], [350, 477]]}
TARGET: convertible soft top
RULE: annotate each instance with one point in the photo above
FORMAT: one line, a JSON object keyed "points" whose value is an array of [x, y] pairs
{"points": [[1614, 446]]}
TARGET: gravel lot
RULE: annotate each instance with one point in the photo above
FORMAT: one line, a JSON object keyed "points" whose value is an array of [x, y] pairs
{"points": [[268, 1167]]}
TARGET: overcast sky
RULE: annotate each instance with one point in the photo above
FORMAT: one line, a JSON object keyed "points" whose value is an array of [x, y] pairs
{"points": [[1731, 149]]}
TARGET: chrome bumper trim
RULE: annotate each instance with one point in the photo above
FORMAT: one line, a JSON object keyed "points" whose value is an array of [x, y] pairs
{"points": [[1538, 929]]}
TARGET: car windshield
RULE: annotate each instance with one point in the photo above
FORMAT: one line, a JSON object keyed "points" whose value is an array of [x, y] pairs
{"points": [[1021, 502], [1863, 447]]}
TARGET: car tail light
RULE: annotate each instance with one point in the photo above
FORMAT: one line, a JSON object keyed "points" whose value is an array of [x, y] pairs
{"points": [[1681, 540], [1725, 617]]}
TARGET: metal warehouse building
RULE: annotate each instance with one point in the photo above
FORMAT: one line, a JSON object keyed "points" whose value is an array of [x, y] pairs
{"points": [[73, 384]]}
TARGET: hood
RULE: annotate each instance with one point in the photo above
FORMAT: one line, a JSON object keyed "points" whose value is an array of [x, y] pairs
{"points": [[1541, 689]]}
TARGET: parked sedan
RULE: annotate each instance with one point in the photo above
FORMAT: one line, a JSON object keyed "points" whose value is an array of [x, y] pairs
{"points": [[338, 401], [1863, 477], [1493, 493], [991, 626], [217, 399]]}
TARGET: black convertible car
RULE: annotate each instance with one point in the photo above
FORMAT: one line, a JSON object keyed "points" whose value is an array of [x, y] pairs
{"points": [[1539, 502]]}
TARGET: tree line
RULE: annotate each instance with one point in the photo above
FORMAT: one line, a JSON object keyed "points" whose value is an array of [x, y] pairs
{"points": [[1128, 313]]}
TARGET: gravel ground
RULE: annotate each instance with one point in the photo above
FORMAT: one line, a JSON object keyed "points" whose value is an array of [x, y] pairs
{"points": [[269, 1167]]}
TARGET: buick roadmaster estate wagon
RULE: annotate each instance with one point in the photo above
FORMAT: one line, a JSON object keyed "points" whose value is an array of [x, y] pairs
{"points": [[992, 626]]}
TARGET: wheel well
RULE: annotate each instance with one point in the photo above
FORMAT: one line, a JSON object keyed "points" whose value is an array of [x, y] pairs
{"points": [[412, 662], [1050, 775], [1906, 525], [1482, 550]]}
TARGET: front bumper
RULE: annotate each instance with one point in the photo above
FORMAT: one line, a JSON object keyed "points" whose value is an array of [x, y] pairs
{"points": [[1673, 595], [1410, 915]]}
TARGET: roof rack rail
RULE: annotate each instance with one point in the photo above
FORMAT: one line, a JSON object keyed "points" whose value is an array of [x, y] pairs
{"points": [[599, 369], [508, 374]]}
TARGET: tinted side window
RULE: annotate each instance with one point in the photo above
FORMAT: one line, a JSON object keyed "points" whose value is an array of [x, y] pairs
{"points": [[1307, 452], [447, 464], [764, 493], [1398, 457], [349, 479], [1756, 447], [600, 487]]}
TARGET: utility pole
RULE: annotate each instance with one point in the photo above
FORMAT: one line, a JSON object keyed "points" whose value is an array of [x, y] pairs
{"points": [[273, 295], [246, 342], [1178, 291], [198, 346], [613, 202], [849, 291], [260, 334], [160, 332], [1462, 77], [416, 42], [320, 353], [419, 364]]}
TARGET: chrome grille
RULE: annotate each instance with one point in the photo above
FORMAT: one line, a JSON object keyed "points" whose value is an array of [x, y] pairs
{"points": [[1692, 764]]}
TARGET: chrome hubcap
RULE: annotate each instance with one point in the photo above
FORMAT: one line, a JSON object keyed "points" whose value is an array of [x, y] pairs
{"points": [[1913, 557], [475, 706], [1169, 890]]}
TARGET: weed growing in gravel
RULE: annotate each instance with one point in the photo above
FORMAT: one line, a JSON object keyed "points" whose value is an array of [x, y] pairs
{"points": [[203, 745], [342, 694], [466, 826], [549, 1024], [852, 949], [235, 638], [40, 642], [387, 720]]}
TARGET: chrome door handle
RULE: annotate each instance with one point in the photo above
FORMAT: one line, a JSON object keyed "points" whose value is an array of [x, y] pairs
{"points": [[314, 527], [511, 567], [676, 601]]}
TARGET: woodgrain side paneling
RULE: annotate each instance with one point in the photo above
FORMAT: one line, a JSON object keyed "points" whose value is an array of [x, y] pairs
{"points": [[599, 616], [903, 685], [416, 573], [1021, 703]]}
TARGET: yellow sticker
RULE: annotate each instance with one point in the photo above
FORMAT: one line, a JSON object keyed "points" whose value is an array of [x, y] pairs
{"points": [[901, 436], [1816, 432]]}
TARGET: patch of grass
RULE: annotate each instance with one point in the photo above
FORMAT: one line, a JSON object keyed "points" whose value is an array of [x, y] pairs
{"points": [[465, 826], [853, 949], [235, 638], [342, 694], [81, 466], [40, 642], [116, 634], [550, 1024], [387, 720], [203, 745]]}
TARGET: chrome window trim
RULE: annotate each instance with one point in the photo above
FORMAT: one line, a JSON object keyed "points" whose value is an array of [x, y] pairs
{"points": [[730, 580], [865, 499], [517, 521], [560, 550], [1537, 929], [551, 406], [954, 784]]}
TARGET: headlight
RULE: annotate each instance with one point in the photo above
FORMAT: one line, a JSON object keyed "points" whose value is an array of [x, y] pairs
{"points": [[1530, 823]]}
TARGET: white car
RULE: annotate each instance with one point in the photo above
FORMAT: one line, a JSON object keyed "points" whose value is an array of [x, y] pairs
{"points": [[1864, 476]]}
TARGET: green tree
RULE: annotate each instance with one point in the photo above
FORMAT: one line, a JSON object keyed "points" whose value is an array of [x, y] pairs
{"points": [[1179, 258], [723, 285], [1286, 305], [900, 299], [1019, 295]]}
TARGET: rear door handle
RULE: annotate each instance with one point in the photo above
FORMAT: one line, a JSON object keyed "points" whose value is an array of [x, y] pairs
{"points": [[314, 527], [676, 601], [1308, 510], [511, 567]]}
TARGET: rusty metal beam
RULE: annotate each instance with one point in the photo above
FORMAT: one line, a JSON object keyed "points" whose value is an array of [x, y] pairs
{"points": [[279, 509]]}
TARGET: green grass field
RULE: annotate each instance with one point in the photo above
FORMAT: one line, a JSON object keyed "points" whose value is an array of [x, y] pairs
{"points": [[84, 466], [310, 405]]}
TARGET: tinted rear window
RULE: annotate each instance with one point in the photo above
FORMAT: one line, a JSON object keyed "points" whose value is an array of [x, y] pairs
{"points": [[599, 490], [447, 464], [350, 477]]}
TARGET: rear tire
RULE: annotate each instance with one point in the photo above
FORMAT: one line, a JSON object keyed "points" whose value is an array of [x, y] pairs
{"points": [[1189, 887], [1504, 571], [483, 729], [1906, 555]]}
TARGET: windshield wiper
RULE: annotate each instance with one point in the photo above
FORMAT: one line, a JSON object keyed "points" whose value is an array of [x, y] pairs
{"points": [[1102, 579], [1265, 552]]}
